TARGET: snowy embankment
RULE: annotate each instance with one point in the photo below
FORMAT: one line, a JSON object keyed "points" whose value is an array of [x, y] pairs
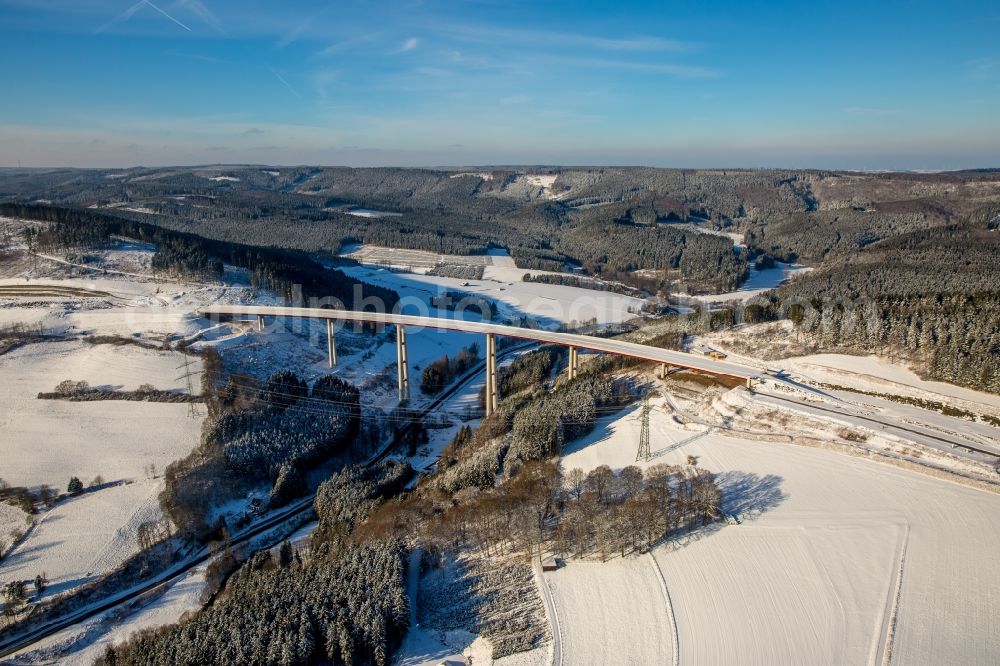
{"points": [[808, 572], [879, 375]]}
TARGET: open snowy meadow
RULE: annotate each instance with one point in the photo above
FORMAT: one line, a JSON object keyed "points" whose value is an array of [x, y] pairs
{"points": [[49, 441], [826, 559]]}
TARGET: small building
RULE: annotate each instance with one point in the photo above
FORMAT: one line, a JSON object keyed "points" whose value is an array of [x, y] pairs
{"points": [[550, 564]]}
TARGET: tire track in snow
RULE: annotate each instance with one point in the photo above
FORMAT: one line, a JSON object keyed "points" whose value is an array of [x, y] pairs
{"points": [[889, 630], [550, 611], [674, 634]]}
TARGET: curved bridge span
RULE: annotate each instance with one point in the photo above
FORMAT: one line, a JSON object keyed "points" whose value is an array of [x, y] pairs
{"points": [[574, 341]]}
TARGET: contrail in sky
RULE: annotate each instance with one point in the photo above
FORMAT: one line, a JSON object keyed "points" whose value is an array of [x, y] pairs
{"points": [[167, 15], [130, 12], [285, 83]]}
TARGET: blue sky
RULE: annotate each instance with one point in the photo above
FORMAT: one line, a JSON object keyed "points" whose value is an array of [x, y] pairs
{"points": [[869, 85]]}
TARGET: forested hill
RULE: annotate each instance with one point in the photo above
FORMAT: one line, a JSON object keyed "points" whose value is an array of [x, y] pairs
{"points": [[608, 221], [931, 296]]}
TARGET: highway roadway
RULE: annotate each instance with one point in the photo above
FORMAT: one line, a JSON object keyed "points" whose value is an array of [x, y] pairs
{"points": [[608, 346]]}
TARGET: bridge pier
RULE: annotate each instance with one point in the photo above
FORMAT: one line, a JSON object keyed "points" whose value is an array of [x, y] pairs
{"points": [[402, 367], [574, 360], [492, 399], [331, 345], [260, 322]]}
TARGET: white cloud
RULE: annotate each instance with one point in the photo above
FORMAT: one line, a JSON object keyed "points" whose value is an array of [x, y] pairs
{"points": [[409, 44]]}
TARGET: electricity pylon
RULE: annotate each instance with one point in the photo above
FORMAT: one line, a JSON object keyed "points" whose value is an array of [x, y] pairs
{"points": [[187, 376], [643, 452]]}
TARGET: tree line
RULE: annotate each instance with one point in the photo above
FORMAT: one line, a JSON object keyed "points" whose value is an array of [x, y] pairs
{"points": [[289, 273]]}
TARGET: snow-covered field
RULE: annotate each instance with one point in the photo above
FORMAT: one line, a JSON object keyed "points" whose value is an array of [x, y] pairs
{"points": [[84, 536], [835, 560], [622, 601], [549, 305], [48, 441], [414, 260]]}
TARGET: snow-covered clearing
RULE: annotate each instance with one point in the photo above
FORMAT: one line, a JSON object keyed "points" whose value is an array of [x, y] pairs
{"points": [[453, 609], [736, 237], [48, 441], [475, 174], [369, 212], [544, 181], [414, 260], [809, 575], [85, 536], [757, 282]]}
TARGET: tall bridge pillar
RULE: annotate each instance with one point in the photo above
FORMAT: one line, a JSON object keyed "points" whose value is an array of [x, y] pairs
{"points": [[573, 362], [331, 345], [491, 374], [402, 368], [260, 322]]}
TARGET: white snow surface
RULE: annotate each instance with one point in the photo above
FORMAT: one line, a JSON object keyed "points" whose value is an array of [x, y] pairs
{"points": [[872, 373], [370, 212], [810, 573], [621, 602], [550, 305], [48, 441], [757, 282], [84, 536], [85, 642]]}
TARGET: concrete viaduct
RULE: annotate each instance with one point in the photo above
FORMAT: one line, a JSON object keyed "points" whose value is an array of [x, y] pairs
{"points": [[575, 342]]}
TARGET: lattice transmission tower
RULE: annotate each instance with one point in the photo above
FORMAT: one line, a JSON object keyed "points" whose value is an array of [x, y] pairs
{"points": [[643, 452], [187, 376]]}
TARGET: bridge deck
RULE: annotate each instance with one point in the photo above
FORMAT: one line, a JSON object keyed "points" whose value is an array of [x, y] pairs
{"points": [[607, 346]]}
